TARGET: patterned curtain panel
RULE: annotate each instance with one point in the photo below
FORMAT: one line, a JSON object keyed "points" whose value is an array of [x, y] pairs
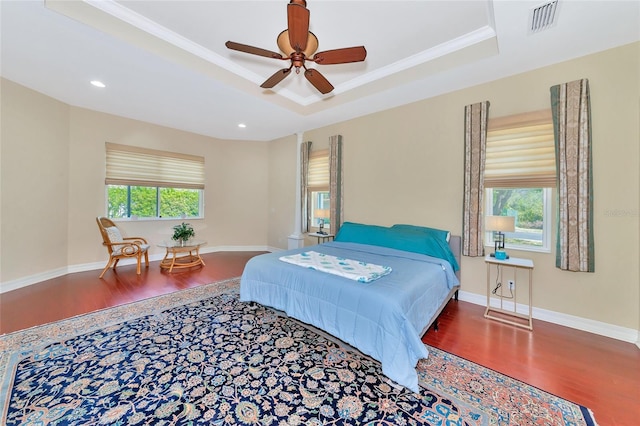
{"points": [[475, 144], [305, 151], [335, 183], [571, 110]]}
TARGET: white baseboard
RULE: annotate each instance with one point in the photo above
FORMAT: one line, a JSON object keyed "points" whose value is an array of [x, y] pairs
{"points": [[603, 329], [33, 279], [58, 272], [234, 248], [275, 249]]}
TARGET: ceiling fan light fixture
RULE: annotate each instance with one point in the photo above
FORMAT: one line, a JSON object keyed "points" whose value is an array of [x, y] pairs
{"points": [[286, 48], [298, 45]]}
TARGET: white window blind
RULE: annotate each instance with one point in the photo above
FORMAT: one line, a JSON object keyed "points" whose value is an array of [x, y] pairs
{"points": [[318, 171], [521, 151], [135, 166]]}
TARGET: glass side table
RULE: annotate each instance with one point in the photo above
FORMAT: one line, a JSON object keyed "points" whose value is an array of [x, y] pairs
{"points": [[181, 256]]}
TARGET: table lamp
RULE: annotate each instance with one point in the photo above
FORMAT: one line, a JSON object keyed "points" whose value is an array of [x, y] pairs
{"points": [[321, 215], [500, 224]]}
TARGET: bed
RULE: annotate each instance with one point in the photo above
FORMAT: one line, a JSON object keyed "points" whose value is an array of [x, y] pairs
{"points": [[384, 318]]}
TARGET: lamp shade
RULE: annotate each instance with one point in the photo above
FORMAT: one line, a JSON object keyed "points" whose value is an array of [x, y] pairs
{"points": [[500, 223], [321, 213]]}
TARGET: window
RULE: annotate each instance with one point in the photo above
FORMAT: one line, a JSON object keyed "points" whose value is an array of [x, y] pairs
{"points": [[149, 202], [148, 183], [519, 176], [531, 208], [320, 208], [318, 189]]}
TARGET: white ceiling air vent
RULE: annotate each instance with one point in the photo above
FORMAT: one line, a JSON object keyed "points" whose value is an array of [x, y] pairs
{"points": [[543, 17]]}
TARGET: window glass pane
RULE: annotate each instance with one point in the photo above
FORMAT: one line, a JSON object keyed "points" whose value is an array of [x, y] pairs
{"points": [[527, 205], [117, 201], [144, 201], [175, 202], [320, 204]]}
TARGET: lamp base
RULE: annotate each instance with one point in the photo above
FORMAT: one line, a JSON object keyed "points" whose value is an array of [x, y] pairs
{"points": [[500, 255]]}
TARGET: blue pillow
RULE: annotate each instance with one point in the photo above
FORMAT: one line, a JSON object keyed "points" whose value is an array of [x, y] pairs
{"points": [[431, 246], [409, 240], [437, 233], [363, 234]]}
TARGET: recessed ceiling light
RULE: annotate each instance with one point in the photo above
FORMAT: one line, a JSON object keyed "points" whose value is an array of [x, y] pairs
{"points": [[98, 83], [242, 125]]}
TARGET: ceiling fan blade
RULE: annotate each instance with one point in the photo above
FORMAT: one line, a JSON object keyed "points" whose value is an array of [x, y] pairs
{"points": [[253, 50], [298, 25], [318, 81], [276, 78], [341, 56]]}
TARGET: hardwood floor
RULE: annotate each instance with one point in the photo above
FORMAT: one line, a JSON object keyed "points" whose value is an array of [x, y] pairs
{"points": [[600, 373]]}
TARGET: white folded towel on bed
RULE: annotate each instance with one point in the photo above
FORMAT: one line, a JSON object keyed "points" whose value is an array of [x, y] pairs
{"points": [[353, 269]]}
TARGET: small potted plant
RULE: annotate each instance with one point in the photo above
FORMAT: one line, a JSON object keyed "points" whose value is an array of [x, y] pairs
{"points": [[183, 232]]}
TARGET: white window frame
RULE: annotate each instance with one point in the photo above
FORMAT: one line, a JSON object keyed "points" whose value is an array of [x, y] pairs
{"points": [[315, 225], [201, 214], [533, 137], [320, 158], [547, 222], [131, 166]]}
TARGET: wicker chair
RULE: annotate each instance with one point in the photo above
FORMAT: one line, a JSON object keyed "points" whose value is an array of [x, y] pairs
{"points": [[120, 247]]}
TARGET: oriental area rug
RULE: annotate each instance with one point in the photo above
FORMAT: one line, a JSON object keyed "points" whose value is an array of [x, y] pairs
{"points": [[202, 357]]}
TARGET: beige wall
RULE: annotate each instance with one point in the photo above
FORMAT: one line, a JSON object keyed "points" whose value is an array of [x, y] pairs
{"points": [[34, 177], [53, 162], [235, 187], [282, 190], [405, 165]]}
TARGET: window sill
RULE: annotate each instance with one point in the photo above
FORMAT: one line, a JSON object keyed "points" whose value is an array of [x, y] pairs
{"points": [[154, 219], [315, 229], [491, 247]]}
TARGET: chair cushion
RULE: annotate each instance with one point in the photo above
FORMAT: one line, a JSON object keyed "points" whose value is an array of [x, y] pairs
{"points": [[114, 234], [117, 250], [116, 237]]}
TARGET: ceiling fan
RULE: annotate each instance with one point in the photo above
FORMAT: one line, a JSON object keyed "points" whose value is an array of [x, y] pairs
{"points": [[299, 44]]}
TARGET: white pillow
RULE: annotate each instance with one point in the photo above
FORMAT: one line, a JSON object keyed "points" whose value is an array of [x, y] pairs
{"points": [[114, 234]]}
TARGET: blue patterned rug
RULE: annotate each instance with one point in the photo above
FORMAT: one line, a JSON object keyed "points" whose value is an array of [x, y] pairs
{"points": [[200, 356]]}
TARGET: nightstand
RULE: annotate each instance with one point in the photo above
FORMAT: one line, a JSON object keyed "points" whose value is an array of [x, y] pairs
{"points": [[322, 238], [505, 295]]}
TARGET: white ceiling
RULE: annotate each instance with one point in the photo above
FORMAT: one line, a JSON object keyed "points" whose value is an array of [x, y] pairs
{"points": [[165, 62]]}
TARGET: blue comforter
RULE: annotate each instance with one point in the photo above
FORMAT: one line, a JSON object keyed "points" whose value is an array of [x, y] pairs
{"points": [[383, 319]]}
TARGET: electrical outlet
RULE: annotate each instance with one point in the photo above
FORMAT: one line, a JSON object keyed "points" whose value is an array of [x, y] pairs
{"points": [[512, 284]]}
